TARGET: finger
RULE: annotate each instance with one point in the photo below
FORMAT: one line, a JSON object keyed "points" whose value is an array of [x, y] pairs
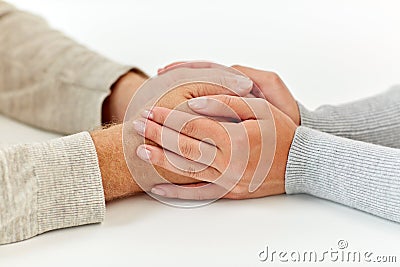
{"points": [[182, 145], [177, 164], [250, 96], [190, 125], [218, 82], [188, 64], [169, 66], [231, 107], [193, 192], [209, 72], [271, 85]]}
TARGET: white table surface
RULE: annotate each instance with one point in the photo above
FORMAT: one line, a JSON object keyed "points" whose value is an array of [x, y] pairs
{"points": [[326, 51]]}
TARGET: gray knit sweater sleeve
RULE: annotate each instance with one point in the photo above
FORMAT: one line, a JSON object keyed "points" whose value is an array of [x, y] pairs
{"points": [[354, 173], [374, 120]]}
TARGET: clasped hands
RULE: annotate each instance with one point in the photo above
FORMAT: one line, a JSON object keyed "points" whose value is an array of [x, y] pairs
{"points": [[243, 139]]}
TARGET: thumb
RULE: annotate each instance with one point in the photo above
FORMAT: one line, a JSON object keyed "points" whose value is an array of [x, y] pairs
{"points": [[274, 90], [270, 84]]}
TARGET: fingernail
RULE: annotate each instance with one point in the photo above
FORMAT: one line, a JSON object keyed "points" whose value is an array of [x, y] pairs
{"points": [[243, 83], [148, 114], [139, 126], [143, 153], [198, 103], [158, 191]]}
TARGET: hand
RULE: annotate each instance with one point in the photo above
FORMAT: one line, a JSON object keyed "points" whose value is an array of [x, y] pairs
{"points": [[116, 103], [117, 180], [272, 88], [216, 158]]}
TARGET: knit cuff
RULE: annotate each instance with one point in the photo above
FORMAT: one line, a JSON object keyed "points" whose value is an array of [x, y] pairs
{"points": [[70, 190], [353, 173], [329, 119]]}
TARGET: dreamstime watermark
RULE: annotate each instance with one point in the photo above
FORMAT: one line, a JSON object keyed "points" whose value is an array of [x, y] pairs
{"points": [[340, 253]]}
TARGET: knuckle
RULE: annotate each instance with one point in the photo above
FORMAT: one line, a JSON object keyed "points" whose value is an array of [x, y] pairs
{"points": [[161, 115], [152, 133], [160, 161], [189, 128], [227, 100], [274, 77], [200, 89], [191, 172], [186, 149], [189, 90]]}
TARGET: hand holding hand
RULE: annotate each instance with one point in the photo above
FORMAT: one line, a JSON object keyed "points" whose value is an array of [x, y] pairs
{"points": [[208, 150], [270, 87], [117, 179]]}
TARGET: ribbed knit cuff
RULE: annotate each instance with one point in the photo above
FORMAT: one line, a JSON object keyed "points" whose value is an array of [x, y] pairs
{"points": [[353, 173], [70, 190]]}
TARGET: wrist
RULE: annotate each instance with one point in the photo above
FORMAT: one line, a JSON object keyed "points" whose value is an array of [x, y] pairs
{"points": [[116, 103], [116, 178]]}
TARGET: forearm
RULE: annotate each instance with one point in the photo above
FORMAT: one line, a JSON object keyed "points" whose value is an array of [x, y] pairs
{"points": [[374, 120], [357, 174], [48, 80], [62, 183]]}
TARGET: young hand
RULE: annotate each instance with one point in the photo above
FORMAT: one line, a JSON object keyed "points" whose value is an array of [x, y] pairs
{"points": [[274, 90]]}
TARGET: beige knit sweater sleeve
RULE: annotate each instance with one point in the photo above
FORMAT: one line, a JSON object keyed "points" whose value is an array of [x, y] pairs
{"points": [[49, 81]]}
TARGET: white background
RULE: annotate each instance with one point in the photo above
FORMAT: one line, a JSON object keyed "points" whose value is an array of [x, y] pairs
{"points": [[326, 52]]}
